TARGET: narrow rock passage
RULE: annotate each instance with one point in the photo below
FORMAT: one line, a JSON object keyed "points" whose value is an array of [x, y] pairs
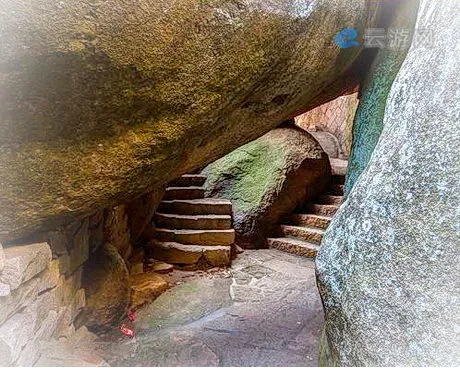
{"points": [[264, 311]]}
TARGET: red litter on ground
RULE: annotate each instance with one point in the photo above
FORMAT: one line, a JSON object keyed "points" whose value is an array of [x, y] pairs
{"points": [[127, 331], [132, 316]]}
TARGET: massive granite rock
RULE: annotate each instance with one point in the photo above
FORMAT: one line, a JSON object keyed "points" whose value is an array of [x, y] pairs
{"points": [[388, 270], [267, 179], [374, 90], [104, 101]]}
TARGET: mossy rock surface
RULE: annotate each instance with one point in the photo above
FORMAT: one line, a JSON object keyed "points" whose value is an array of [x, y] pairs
{"points": [[104, 101], [267, 179]]}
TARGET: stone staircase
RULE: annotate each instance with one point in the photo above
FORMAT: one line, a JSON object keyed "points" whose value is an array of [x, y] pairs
{"points": [[303, 232], [191, 229]]}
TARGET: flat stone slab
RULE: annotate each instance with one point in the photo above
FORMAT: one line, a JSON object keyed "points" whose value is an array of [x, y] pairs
{"points": [[185, 303], [267, 314]]}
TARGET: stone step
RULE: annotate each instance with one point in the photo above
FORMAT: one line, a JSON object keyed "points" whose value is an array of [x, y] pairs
{"points": [[330, 199], [186, 254], [310, 234], [301, 219], [184, 193], [337, 189], [338, 179], [197, 222], [323, 209], [197, 237], [206, 206], [189, 180], [294, 246]]}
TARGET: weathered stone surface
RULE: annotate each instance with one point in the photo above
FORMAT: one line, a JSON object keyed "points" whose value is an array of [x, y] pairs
{"points": [[19, 298], [186, 254], [267, 179], [2, 258], [116, 230], [274, 318], [146, 287], [29, 355], [23, 262], [131, 96], [15, 333], [182, 305], [334, 117], [96, 231], [374, 90], [50, 277], [68, 286], [107, 284], [140, 214], [388, 269], [328, 142], [76, 351]]}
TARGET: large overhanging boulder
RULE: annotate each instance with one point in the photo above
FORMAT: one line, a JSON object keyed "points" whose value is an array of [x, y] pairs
{"points": [[388, 270], [103, 101]]}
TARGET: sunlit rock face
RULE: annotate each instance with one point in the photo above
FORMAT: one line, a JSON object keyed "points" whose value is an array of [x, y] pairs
{"points": [[103, 101], [388, 269]]}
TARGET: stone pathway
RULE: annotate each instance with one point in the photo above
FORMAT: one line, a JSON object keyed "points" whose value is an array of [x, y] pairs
{"points": [[264, 311]]}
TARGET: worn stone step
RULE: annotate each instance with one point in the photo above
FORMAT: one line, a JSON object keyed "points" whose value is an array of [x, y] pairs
{"points": [[330, 199], [294, 246], [189, 180], [198, 237], [323, 209], [206, 206], [310, 234], [197, 222], [301, 219], [337, 189], [184, 193], [187, 254], [338, 179]]}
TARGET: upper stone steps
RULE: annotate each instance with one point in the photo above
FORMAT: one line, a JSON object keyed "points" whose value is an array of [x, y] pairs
{"points": [[294, 246], [206, 206], [189, 180], [191, 192], [323, 209], [309, 234], [330, 199], [308, 219], [203, 222], [303, 232]]}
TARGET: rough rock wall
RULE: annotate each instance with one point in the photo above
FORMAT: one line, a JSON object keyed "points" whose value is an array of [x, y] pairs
{"points": [[335, 117], [41, 292], [46, 283], [104, 101], [374, 90], [388, 270]]}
